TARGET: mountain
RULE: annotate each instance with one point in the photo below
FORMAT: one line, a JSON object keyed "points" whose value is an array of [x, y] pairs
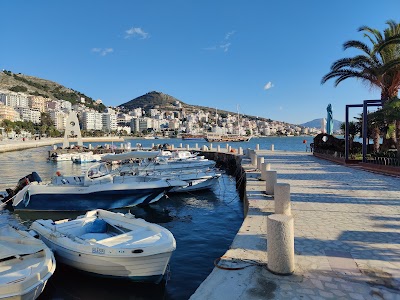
{"points": [[41, 87], [316, 123], [156, 99]]}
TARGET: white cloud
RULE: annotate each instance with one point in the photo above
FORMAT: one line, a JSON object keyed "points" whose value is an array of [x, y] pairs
{"points": [[136, 32], [224, 45], [268, 85], [103, 51], [229, 34]]}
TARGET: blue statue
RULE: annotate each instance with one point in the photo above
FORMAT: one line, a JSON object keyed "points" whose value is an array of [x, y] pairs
{"points": [[329, 120]]}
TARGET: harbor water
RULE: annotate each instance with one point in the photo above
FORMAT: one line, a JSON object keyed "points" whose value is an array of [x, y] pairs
{"points": [[203, 223]]}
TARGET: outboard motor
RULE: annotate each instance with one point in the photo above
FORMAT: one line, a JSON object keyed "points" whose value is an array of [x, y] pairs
{"points": [[24, 181]]}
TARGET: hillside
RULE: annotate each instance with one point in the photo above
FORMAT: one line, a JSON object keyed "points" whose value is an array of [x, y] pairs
{"points": [[41, 87], [316, 123], [156, 99]]}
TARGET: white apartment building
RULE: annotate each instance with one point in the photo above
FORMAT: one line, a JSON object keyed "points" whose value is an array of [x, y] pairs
{"points": [[140, 124], [59, 118], [109, 122], [29, 114], [14, 99], [92, 120]]}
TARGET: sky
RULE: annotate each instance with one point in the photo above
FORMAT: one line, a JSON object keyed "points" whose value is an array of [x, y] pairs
{"points": [[264, 58]]}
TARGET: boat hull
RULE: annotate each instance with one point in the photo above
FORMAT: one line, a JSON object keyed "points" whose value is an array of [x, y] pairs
{"points": [[76, 199], [196, 185], [139, 269]]}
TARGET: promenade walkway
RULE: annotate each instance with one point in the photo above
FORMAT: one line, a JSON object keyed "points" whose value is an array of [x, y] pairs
{"points": [[347, 235]]}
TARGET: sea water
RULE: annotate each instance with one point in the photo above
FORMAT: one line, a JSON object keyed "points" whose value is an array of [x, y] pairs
{"points": [[198, 222]]}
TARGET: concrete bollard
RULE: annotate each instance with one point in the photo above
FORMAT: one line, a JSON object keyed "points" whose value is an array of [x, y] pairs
{"points": [[227, 146], [272, 147], [218, 148], [187, 147], [196, 146], [258, 147], [152, 145], [229, 149], [211, 146], [204, 148], [240, 151], [264, 171], [282, 199], [180, 145], [90, 147], [280, 244], [260, 160], [172, 147], [270, 181], [254, 157]]}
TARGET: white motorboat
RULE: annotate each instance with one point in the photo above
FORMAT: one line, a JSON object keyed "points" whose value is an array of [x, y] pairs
{"points": [[110, 244], [86, 157], [97, 188], [26, 264], [156, 161], [57, 157], [197, 179]]}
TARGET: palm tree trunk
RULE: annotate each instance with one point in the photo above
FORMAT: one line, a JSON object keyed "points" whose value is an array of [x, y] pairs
{"points": [[376, 137], [398, 138]]}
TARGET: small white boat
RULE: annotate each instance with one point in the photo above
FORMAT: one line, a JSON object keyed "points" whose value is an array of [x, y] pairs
{"points": [[26, 264], [62, 156], [110, 244], [86, 157]]}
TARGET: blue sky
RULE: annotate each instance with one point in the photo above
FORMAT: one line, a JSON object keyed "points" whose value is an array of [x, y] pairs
{"points": [[268, 57]]}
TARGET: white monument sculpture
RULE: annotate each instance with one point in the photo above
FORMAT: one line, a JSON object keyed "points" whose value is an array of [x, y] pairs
{"points": [[72, 130]]}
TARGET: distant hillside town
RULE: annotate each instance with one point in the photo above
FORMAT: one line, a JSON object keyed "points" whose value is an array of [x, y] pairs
{"points": [[141, 118]]}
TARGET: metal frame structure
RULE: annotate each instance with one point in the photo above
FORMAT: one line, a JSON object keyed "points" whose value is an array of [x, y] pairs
{"points": [[365, 105]]}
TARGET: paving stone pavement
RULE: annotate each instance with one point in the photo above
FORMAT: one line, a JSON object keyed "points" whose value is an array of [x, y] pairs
{"points": [[347, 235]]}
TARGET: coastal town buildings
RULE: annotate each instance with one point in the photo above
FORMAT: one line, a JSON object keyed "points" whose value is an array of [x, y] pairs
{"points": [[174, 120]]}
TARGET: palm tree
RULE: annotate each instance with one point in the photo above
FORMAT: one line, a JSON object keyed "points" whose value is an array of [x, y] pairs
{"points": [[378, 66]]}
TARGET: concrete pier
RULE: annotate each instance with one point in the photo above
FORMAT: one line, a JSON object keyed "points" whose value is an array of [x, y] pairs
{"points": [[347, 235]]}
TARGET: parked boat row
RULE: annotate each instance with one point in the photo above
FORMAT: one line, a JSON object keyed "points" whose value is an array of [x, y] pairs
{"points": [[99, 242]]}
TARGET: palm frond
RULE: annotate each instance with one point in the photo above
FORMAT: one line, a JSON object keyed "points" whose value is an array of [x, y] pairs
{"points": [[358, 45]]}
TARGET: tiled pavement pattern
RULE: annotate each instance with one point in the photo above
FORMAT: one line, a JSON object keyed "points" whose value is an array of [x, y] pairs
{"points": [[347, 235]]}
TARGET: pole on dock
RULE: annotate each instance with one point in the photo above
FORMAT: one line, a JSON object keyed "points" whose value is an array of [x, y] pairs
{"points": [[211, 146], [270, 181], [218, 148], [272, 147], [196, 146], [187, 147], [240, 151], [180, 146], [258, 147]]}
